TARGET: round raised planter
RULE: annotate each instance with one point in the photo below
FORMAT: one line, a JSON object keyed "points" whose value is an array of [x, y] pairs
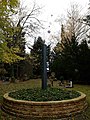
{"points": [[44, 110]]}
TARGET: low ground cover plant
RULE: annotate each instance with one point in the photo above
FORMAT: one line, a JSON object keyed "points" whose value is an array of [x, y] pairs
{"points": [[49, 94]]}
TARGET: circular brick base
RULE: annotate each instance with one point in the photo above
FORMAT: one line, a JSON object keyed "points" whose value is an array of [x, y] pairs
{"points": [[43, 110]]}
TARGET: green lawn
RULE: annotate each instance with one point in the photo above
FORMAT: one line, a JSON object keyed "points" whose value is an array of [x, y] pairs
{"points": [[37, 83], [7, 87], [85, 89]]}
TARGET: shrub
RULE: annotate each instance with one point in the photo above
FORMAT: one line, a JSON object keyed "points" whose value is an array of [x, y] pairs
{"points": [[49, 94]]}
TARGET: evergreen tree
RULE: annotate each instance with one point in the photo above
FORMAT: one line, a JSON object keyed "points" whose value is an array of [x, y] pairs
{"points": [[36, 53], [84, 62], [66, 60]]}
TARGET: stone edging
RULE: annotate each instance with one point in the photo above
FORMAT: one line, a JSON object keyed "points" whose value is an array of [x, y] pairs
{"points": [[44, 110]]}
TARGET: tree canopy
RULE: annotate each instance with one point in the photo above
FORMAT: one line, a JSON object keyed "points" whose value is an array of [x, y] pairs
{"points": [[7, 9]]}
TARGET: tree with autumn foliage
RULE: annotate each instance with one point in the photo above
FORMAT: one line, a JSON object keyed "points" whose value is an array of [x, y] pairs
{"points": [[7, 9], [15, 23]]}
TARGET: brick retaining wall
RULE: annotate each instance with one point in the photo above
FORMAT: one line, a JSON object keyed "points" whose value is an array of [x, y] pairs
{"points": [[44, 110]]}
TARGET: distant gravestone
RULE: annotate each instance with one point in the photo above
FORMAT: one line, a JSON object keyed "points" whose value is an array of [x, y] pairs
{"points": [[71, 85]]}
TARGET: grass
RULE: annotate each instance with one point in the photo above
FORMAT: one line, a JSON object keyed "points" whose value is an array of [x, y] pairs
{"points": [[85, 89], [8, 87], [37, 83]]}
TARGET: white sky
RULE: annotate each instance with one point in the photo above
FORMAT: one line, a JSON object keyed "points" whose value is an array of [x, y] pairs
{"points": [[51, 10], [54, 7]]}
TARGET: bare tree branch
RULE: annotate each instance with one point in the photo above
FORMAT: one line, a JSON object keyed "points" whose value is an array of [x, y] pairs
{"points": [[28, 20]]}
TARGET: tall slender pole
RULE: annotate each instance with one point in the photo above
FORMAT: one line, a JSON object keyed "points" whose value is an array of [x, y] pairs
{"points": [[44, 66]]}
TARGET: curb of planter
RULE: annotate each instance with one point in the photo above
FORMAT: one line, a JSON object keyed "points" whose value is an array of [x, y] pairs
{"points": [[44, 110]]}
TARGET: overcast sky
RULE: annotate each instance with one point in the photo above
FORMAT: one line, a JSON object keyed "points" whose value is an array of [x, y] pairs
{"points": [[52, 9], [55, 7]]}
